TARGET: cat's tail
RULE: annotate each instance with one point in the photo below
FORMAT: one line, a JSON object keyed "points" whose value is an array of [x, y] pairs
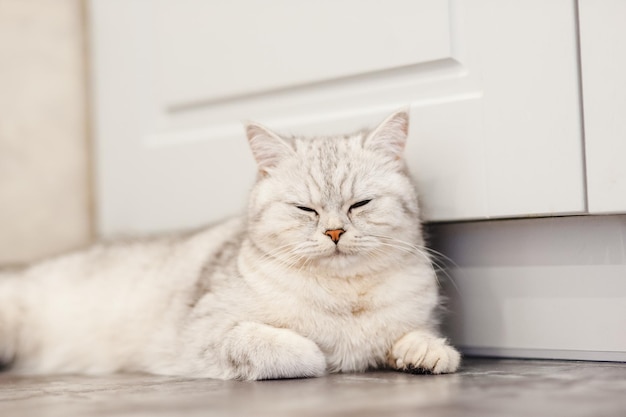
{"points": [[10, 308]]}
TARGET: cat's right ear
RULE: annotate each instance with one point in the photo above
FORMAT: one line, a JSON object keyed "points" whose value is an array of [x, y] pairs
{"points": [[390, 136], [267, 147]]}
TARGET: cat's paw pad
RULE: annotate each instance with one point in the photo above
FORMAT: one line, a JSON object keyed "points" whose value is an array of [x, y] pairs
{"points": [[421, 352]]}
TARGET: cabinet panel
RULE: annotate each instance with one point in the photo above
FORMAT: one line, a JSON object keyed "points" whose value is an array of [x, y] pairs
{"points": [[603, 58], [516, 149], [527, 58], [212, 51], [495, 117]]}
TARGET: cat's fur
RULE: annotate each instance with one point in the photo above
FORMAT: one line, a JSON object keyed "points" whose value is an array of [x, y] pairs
{"points": [[270, 295]]}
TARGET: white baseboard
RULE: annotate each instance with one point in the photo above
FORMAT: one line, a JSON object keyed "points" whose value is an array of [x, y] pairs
{"points": [[577, 355], [536, 288]]}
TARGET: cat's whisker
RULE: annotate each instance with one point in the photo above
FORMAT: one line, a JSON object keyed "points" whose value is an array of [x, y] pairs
{"points": [[432, 253], [277, 256], [426, 253], [413, 251], [440, 255], [278, 251], [305, 264], [285, 256]]}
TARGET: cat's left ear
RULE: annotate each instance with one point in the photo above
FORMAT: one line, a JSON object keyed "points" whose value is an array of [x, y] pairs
{"points": [[267, 147], [391, 135]]}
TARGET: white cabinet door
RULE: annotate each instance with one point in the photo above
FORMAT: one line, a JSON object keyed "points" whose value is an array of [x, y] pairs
{"points": [[492, 87], [603, 58], [512, 145]]}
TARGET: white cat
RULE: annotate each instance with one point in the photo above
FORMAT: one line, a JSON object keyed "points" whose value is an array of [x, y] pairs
{"points": [[327, 273]]}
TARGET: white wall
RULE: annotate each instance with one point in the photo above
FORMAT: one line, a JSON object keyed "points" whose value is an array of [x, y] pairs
{"points": [[44, 179]]}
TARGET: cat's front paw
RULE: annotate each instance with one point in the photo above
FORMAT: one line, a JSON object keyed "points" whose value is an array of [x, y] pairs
{"points": [[423, 352], [258, 351]]}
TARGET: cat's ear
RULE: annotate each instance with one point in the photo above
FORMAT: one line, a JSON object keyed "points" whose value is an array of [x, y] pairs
{"points": [[267, 147], [391, 135]]}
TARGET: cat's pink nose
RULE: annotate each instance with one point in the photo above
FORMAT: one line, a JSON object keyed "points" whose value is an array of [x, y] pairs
{"points": [[334, 234]]}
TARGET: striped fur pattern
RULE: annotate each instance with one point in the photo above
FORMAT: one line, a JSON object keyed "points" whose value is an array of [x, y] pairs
{"points": [[326, 273]]}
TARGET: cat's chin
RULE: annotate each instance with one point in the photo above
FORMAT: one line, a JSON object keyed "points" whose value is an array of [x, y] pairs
{"points": [[337, 258], [343, 263], [340, 255]]}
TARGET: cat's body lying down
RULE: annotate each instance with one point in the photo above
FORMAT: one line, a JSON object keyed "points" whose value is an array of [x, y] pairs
{"points": [[325, 274]]}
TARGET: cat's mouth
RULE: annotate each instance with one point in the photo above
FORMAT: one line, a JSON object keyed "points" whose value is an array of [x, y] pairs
{"points": [[341, 252], [333, 253]]}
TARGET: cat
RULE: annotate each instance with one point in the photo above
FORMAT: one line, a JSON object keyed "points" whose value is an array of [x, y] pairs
{"points": [[326, 273]]}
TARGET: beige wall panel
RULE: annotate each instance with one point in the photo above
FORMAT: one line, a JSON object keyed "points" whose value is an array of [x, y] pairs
{"points": [[44, 197]]}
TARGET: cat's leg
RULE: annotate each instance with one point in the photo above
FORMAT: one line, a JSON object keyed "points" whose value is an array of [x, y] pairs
{"points": [[423, 351], [255, 351]]}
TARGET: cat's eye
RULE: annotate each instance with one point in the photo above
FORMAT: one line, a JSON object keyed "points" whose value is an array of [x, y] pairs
{"points": [[359, 204], [303, 208]]}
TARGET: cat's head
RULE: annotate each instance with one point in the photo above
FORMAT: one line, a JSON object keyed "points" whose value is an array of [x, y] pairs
{"points": [[339, 205]]}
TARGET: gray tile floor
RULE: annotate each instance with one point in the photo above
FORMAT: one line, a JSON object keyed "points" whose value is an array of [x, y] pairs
{"points": [[483, 387]]}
